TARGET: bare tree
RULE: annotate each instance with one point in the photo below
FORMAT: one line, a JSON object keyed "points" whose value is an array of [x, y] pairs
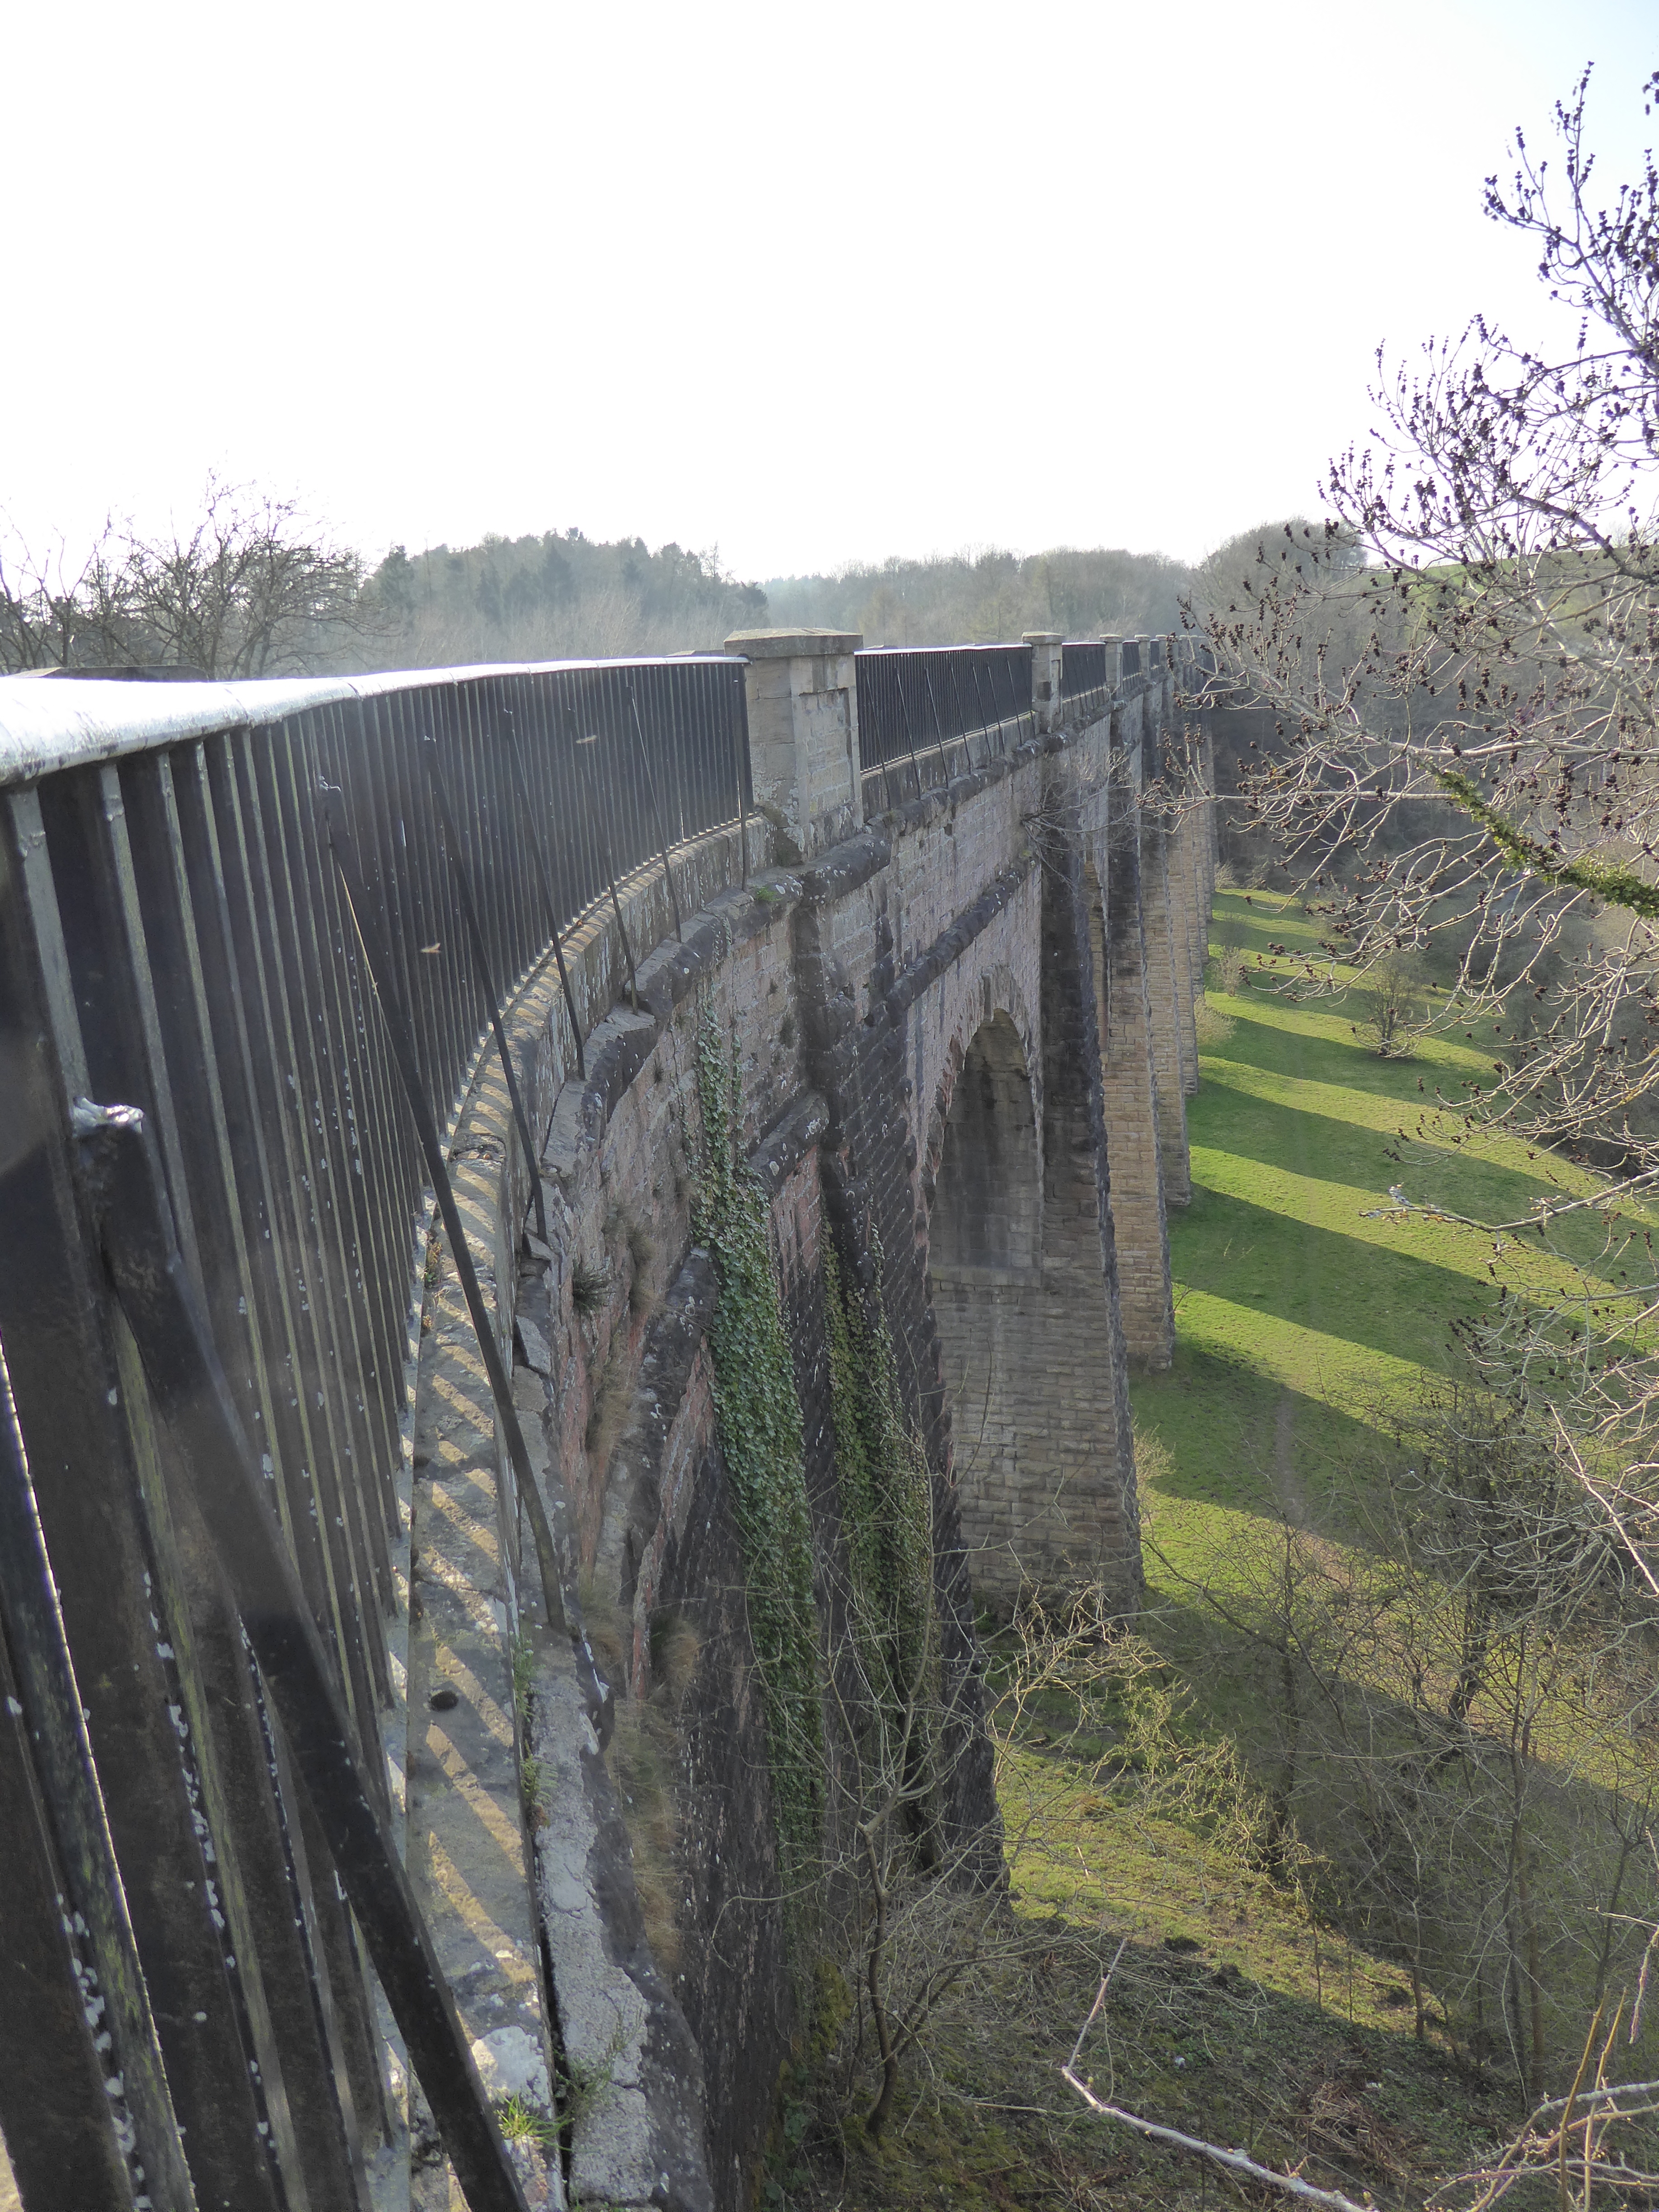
{"points": [[1466, 747], [247, 588], [1453, 1715], [56, 612]]}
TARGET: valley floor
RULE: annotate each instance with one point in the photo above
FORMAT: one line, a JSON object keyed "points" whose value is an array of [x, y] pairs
{"points": [[1234, 2013]]}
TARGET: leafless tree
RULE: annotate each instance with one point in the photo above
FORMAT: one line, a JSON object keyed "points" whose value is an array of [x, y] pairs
{"points": [[1465, 748], [248, 587], [1456, 1710]]}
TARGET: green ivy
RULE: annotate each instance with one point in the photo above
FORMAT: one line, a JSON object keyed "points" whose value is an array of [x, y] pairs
{"points": [[886, 1499], [762, 1439]]}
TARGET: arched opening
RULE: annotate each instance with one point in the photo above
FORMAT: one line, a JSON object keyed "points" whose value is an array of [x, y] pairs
{"points": [[985, 1263], [988, 1212]]}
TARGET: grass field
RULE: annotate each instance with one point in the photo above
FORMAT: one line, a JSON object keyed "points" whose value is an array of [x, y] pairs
{"points": [[1304, 1305], [1301, 1301]]}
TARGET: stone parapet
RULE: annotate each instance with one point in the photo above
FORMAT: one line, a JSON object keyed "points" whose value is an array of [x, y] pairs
{"points": [[802, 698], [1046, 647]]}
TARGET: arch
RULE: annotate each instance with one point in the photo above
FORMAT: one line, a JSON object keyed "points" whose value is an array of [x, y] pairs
{"points": [[997, 994], [1022, 1273], [987, 1206]]}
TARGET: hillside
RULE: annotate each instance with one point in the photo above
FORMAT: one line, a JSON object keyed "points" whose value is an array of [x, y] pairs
{"points": [[1259, 1993]]}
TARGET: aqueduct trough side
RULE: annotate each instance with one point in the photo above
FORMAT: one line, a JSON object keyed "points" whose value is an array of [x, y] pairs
{"points": [[962, 1023], [944, 1015]]}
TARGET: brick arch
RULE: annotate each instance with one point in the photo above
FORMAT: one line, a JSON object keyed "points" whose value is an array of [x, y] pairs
{"points": [[987, 1204], [998, 996]]}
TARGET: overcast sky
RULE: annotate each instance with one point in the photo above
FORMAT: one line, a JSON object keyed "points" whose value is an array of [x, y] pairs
{"points": [[815, 284]]}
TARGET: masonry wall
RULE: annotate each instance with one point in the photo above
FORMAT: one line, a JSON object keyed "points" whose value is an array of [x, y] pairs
{"points": [[1129, 1096], [1032, 918]]}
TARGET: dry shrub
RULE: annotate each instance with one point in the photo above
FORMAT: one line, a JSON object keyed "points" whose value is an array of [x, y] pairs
{"points": [[641, 1757], [642, 1753], [1212, 1027]]}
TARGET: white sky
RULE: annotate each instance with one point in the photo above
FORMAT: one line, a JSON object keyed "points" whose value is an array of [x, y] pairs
{"points": [[898, 275]]}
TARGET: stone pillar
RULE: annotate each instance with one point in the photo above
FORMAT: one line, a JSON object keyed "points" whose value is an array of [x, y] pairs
{"points": [[804, 734], [1024, 1282], [1167, 985], [1184, 924], [1129, 1094], [1046, 644]]}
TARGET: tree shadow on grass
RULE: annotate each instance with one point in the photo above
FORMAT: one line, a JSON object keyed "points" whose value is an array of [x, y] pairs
{"points": [[1267, 1264], [1341, 1057], [1218, 1433], [1310, 1144]]}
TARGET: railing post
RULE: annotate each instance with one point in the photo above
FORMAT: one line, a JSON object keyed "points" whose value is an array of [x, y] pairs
{"points": [[804, 733], [1126, 718], [1046, 644]]}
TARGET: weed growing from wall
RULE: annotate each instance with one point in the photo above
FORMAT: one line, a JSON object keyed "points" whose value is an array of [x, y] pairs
{"points": [[762, 1439]]}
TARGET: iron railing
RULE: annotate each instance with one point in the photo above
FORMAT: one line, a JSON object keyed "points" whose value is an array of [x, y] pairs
{"points": [[1085, 680], [957, 704], [252, 940], [1129, 656], [206, 1309]]}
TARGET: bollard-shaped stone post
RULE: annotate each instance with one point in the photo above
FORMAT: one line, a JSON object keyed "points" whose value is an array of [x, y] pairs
{"points": [[1046, 648], [802, 699]]}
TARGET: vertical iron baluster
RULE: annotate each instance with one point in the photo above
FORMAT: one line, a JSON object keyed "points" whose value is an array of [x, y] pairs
{"points": [[554, 1554], [656, 817], [938, 724], [217, 1469], [586, 748], [487, 984], [538, 856]]}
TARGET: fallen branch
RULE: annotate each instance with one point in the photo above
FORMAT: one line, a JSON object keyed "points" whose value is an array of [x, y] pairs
{"points": [[1234, 2160]]}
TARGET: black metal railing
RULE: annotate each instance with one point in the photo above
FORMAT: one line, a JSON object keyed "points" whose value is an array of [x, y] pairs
{"points": [[1085, 679], [954, 705], [206, 1319], [1129, 656], [252, 940]]}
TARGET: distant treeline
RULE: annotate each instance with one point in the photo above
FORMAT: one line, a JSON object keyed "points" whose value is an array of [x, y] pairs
{"points": [[959, 598], [559, 596], [537, 598], [250, 587]]}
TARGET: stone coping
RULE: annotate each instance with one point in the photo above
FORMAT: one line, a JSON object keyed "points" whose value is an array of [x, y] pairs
{"points": [[793, 644]]}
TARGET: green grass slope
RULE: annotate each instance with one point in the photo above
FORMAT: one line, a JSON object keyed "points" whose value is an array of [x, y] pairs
{"points": [[1302, 1305]]}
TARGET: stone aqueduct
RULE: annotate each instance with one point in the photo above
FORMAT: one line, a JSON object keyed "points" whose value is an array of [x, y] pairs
{"points": [[966, 1023], [961, 1001]]}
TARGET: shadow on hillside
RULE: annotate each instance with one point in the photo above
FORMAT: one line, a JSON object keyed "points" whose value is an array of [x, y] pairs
{"points": [[1304, 1140], [1259, 1442], [1235, 1682], [1347, 1060], [1261, 1261]]}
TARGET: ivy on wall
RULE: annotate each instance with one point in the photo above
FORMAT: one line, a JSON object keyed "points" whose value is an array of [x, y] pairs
{"points": [[886, 1497], [762, 1439]]}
